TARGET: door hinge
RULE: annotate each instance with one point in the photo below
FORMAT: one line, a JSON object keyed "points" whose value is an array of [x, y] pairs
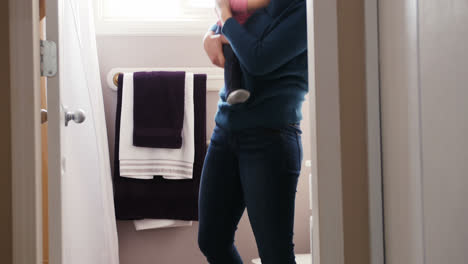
{"points": [[48, 58]]}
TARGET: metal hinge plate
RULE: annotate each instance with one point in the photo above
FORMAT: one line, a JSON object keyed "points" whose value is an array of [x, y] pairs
{"points": [[48, 58]]}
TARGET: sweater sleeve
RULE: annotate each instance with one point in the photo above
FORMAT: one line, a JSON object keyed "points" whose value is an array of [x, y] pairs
{"points": [[262, 55], [216, 28]]}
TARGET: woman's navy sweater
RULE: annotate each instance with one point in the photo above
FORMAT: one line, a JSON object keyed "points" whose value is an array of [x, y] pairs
{"points": [[272, 50]]}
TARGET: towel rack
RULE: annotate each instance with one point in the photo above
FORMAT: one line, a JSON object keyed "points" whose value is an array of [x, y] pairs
{"points": [[215, 76], [115, 79]]}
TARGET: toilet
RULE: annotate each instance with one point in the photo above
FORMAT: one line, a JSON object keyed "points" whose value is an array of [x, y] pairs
{"points": [[300, 259]]}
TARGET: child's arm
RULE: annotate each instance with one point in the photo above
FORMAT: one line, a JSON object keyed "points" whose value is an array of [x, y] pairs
{"points": [[253, 5]]}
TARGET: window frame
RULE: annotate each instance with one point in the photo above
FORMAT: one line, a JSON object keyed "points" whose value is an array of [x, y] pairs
{"points": [[189, 26]]}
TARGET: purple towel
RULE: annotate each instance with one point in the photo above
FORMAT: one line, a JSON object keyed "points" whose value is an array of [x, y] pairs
{"points": [[159, 105], [161, 198]]}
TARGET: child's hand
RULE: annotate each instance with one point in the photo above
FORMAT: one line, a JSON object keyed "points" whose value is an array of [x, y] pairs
{"points": [[224, 40], [213, 45]]}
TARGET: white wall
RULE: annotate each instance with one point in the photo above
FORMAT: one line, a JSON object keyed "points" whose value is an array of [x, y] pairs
{"points": [[400, 132], [444, 127], [425, 124], [179, 245]]}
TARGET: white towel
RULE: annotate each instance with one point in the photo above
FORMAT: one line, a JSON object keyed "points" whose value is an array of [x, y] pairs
{"points": [[144, 163], [159, 223]]}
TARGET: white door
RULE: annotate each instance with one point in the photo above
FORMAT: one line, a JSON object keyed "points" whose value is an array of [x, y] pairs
{"points": [[425, 126], [82, 221]]}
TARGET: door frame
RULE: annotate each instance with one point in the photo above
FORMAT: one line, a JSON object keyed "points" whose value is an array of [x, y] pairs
{"points": [[327, 204], [55, 113], [326, 146], [374, 133], [25, 131]]}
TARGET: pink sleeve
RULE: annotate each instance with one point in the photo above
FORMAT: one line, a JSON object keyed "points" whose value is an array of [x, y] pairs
{"points": [[239, 5]]}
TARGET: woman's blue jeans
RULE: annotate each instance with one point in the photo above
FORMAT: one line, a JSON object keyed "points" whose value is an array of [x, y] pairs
{"points": [[257, 169]]}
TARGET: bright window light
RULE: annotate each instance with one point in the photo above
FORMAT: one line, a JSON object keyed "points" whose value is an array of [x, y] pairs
{"points": [[154, 17], [156, 9], [202, 3], [143, 9]]}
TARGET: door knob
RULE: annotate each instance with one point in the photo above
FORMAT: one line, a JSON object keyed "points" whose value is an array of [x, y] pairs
{"points": [[79, 116]]}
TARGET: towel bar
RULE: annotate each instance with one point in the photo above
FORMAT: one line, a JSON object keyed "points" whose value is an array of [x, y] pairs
{"points": [[214, 82], [115, 79]]}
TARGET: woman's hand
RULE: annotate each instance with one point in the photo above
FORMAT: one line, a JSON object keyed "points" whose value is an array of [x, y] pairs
{"points": [[223, 10], [213, 45]]}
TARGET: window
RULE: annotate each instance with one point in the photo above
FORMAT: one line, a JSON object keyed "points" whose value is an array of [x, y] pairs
{"points": [[154, 17]]}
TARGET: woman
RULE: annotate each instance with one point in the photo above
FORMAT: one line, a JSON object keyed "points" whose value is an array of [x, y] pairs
{"points": [[255, 155]]}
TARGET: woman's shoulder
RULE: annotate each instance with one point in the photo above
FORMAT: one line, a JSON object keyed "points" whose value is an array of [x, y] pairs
{"points": [[277, 12], [278, 8]]}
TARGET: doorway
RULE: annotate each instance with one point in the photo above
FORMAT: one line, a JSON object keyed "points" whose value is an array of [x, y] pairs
{"points": [[328, 195]]}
